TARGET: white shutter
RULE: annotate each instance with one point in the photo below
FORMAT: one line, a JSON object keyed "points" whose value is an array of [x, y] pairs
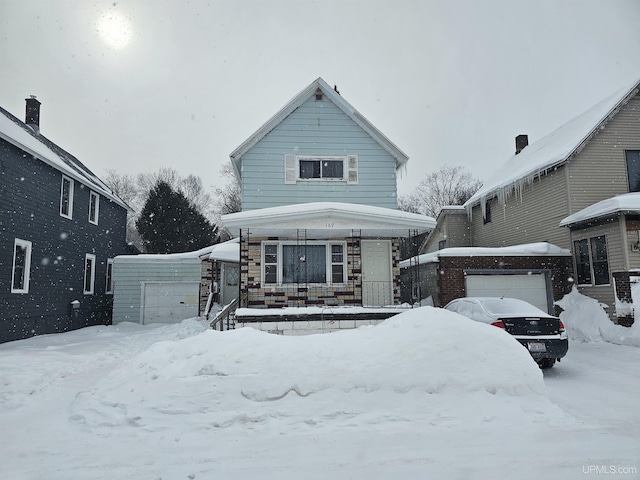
{"points": [[290, 169], [352, 169]]}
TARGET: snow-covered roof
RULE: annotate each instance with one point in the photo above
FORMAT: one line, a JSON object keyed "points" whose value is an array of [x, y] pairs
{"points": [[626, 203], [19, 134], [328, 219], [228, 251], [400, 157], [538, 249], [550, 151], [196, 255]]}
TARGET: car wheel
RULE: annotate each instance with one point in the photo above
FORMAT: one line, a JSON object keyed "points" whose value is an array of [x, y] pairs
{"points": [[546, 362]]}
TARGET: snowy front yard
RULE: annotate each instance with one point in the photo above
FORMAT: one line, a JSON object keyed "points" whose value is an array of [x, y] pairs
{"points": [[410, 398]]}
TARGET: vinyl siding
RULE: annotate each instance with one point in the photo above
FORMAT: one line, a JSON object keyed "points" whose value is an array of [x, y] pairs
{"points": [[599, 171], [129, 273], [30, 210], [317, 128], [532, 217], [615, 254], [452, 227]]}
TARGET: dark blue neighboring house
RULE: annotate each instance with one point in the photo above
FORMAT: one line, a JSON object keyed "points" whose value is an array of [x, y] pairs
{"points": [[60, 228]]}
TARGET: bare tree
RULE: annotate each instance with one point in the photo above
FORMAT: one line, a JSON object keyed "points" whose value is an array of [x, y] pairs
{"points": [[446, 186], [228, 198]]}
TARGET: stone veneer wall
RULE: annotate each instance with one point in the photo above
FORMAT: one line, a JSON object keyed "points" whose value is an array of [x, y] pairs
{"points": [[302, 295]]}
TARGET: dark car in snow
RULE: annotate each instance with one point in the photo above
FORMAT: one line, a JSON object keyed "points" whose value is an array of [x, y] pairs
{"points": [[543, 335]]}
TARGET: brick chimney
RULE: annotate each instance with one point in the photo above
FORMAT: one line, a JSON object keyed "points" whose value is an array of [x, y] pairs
{"points": [[521, 142], [33, 113]]}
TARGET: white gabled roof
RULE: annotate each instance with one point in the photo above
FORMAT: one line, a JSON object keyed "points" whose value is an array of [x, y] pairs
{"points": [[550, 151], [327, 220], [17, 133], [400, 157], [626, 203], [538, 249]]}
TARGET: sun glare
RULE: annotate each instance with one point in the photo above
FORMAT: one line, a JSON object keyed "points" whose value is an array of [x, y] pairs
{"points": [[114, 29]]}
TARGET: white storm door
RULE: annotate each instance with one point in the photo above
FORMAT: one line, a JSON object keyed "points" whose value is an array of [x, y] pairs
{"points": [[377, 285]]}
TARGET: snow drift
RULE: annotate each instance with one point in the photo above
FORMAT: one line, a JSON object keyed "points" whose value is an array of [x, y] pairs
{"points": [[247, 376]]}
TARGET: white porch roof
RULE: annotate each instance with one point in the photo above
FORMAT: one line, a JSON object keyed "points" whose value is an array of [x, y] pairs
{"points": [[328, 220], [626, 203]]}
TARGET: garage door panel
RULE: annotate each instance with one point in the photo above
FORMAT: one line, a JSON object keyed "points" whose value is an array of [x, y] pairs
{"points": [[531, 288], [169, 302]]}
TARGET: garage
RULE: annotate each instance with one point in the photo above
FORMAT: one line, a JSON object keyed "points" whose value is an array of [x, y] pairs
{"points": [[168, 302], [530, 287]]}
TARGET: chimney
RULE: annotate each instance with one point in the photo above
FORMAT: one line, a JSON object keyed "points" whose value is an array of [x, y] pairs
{"points": [[521, 142], [33, 113]]}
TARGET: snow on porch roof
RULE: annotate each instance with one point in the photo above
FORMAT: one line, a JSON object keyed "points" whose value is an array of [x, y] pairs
{"points": [[328, 219], [551, 150], [538, 249], [400, 157], [626, 203], [228, 251]]}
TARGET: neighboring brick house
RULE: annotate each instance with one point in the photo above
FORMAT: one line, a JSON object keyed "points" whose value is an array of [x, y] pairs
{"points": [[61, 227], [319, 224], [573, 189]]}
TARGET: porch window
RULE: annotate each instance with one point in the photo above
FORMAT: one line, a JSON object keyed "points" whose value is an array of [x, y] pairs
{"points": [[304, 264], [317, 262], [592, 264]]}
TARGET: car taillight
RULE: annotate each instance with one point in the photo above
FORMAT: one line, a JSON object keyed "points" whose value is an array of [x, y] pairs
{"points": [[561, 327], [562, 331], [499, 324]]}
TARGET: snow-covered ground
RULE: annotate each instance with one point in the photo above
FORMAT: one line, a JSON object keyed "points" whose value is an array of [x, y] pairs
{"points": [[426, 394]]}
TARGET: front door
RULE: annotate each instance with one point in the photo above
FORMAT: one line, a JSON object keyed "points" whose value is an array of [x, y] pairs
{"points": [[377, 285]]}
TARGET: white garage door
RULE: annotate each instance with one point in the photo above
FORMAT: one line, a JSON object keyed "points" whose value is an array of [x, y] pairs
{"points": [[169, 302], [531, 288]]}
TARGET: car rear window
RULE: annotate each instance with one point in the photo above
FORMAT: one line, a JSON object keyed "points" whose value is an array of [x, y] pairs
{"points": [[508, 306]]}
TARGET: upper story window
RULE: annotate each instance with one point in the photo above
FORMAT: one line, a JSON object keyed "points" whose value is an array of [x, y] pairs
{"points": [[633, 169], [321, 167], [89, 273], [21, 266], [94, 207], [66, 197], [592, 264], [109, 279], [315, 262]]}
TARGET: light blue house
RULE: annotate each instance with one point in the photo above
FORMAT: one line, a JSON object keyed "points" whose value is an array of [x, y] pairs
{"points": [[319, 224], [317, 148]]}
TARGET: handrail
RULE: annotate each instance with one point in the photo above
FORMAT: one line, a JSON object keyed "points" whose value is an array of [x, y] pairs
{"points": [[224, 315]]}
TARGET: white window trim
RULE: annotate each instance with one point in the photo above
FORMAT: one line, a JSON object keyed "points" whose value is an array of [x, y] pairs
{"points": [[91, 257], [328, 262], [27, 265], [349, 168], [108, 287], [591, 266], [97, 197], [71, 187]]}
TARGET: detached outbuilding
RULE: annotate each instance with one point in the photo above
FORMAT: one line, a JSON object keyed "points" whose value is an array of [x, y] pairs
{"points": [[161, 288]]}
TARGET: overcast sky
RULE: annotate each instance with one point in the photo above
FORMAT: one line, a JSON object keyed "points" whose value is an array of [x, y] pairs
{"points": [[182, 83]]}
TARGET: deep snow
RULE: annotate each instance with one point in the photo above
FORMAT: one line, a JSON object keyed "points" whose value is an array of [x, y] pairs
{"points": [[426, 394]]}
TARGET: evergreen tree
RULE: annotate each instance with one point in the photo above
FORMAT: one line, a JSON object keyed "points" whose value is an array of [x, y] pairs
{"points": [[169, 223]]}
